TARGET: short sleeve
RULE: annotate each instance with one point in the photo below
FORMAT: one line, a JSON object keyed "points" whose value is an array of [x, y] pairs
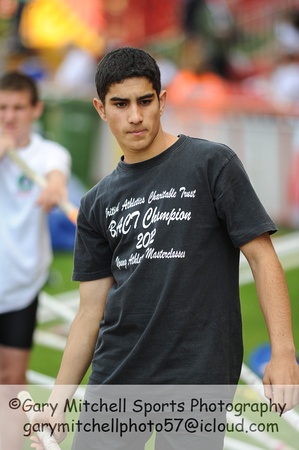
{"points": [[238, 207], [54, 157], [92, 254]]}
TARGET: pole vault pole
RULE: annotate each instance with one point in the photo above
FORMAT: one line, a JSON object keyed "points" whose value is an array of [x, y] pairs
{"points": [[45, 436], [70, 210]]}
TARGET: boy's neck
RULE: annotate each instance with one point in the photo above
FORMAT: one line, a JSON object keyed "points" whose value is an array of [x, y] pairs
{"points": [[163, 141]]}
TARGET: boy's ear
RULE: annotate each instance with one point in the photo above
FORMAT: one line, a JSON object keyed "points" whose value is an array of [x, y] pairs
{"points": [[38, 110], [162, 99], [100, 108]]}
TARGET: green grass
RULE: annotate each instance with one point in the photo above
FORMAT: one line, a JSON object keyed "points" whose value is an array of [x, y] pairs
{"points": [[61, 274], [43, 359], [254, 328]]}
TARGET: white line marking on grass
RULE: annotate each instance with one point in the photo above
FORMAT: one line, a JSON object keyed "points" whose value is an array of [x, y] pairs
{"points": [[50, 304], [263, 438], [39, 379], [234, 444], [287, 249], [47, 339]]}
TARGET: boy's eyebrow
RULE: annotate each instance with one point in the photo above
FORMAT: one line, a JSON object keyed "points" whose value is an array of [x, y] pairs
{"points": [[150, 95], [142, 97]]}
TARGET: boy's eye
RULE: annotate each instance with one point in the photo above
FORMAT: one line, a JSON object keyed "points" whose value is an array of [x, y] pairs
{"points": [[120, 104]]}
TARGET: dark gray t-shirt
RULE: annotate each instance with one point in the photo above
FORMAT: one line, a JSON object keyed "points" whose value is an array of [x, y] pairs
{"points": [[169, 229]]}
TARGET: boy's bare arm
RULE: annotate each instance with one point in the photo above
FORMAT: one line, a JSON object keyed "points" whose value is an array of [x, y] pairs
{"points": [[274, 301]]}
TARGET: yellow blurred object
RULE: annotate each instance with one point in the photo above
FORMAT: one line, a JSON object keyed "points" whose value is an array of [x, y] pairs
{"points": [[53, 23]]}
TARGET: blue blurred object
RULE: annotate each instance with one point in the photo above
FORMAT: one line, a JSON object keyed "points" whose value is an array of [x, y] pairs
{"points": [[62, 230], [259, 358]]}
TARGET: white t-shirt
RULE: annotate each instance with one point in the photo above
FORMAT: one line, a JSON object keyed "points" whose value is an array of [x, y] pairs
{"points": [[25, 244]]}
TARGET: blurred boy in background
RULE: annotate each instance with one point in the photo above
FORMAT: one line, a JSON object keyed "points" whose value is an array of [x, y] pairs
{"points": [[25, 244]]}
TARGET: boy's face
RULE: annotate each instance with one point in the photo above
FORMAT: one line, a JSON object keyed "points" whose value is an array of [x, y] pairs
{"points": [[133, 111], [17, 114]]}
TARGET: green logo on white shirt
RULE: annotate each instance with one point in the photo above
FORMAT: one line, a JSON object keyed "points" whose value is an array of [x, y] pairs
{"points": [[25, 184]]}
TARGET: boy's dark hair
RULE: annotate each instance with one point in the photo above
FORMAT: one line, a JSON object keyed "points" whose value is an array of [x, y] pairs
{"points": [[123, 63], [16, 81]]}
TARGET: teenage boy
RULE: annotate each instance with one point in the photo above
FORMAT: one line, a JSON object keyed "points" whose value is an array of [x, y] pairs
{"points": [[157, 255], [25, 246]]}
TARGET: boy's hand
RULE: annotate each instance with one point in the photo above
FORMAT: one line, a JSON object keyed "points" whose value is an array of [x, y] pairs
{"points": [[54, 192], [281, 382]]}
